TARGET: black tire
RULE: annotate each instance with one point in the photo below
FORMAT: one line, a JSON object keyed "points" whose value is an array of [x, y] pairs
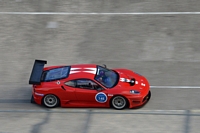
{"points": [[149, 96], [119, 102], [32, 99], [50, 101]]}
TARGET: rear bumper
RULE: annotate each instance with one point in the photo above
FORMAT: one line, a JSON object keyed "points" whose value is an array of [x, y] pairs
{"points": [[37, 97]]}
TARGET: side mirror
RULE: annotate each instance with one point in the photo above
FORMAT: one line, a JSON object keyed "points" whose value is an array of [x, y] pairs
{"points": [[105, 65]]}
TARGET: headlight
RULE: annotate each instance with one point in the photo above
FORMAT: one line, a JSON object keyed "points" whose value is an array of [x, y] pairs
{"points": [[134, 92]]}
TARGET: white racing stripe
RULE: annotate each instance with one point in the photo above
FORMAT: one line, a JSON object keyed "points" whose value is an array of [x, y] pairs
{"points": [[96, 13]]}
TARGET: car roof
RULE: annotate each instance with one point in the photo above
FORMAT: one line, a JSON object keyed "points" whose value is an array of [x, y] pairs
{"points": [[83, 71], [79, 70]]}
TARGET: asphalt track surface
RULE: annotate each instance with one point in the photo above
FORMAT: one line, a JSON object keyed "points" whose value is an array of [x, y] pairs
{"points": [[163, 46]]}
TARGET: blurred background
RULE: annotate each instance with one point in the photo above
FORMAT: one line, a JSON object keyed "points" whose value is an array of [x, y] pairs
{"points": [[162, 47]]}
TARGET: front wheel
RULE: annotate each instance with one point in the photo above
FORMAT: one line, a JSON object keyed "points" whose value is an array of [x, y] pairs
{"points": [[119, 102], [50, 101], [149, 96]]}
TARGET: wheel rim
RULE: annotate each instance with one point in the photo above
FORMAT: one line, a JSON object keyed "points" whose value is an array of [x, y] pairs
{"points": [[118, 102], [50, 100]]}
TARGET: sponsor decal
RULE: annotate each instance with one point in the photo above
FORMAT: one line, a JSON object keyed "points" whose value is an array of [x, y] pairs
{"points": [[122, 79], [110, 95], [143, 84], [58, 82], [125, 80], [101, 97]]}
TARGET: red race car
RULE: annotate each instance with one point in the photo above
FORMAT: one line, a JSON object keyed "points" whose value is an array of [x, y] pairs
{"points": [[87, 85]]}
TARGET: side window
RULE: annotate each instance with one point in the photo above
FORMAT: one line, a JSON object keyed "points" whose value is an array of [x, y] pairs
{"points": [[71, 83], [86, 84]]}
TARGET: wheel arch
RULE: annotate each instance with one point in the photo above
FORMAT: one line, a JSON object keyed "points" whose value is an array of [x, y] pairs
{"points": [[110, 102], [59, 101]]}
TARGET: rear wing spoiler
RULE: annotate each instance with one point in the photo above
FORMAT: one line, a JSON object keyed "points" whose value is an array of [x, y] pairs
{"points": [[36, 73]]}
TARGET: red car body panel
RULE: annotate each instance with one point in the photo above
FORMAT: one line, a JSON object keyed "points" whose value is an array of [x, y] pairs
{"points": [[77, 97]]}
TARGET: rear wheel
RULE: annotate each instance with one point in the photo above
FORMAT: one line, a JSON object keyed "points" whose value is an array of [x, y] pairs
{"points": [[119, 102], [50, 101]]}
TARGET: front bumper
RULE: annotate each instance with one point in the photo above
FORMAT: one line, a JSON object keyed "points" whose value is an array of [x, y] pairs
{"points": [[138, 101]]}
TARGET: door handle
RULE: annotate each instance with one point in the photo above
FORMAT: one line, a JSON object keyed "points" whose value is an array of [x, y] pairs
{"points": [[63, 88]]}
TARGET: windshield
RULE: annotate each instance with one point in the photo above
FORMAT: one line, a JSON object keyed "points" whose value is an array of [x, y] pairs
{"points": [[106, 77], [55, 74]]}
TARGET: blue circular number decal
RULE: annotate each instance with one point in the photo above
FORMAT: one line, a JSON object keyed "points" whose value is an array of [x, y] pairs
{"points": [[101, 97]]}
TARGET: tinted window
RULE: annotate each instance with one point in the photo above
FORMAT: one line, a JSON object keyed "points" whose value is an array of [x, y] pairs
{"points": [[71, 83], [106, 77], [86, 84], [55, 74]]}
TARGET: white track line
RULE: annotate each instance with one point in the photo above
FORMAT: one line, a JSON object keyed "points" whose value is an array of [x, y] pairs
{"points": [[175, 87], [107, 111], [152, 87], [96, 13]]}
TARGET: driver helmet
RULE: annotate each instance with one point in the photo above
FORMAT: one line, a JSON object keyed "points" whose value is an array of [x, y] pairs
{"points": [[101, 72]]}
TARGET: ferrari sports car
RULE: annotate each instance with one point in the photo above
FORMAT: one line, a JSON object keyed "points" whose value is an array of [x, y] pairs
{"points": [[87, 85]]}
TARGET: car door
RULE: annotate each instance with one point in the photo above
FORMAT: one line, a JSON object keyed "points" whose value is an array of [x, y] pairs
{"points": [[90, 94], [69, 88]]}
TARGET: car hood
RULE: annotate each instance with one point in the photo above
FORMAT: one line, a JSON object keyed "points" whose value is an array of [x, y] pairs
{"points": [[125, 75]]}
